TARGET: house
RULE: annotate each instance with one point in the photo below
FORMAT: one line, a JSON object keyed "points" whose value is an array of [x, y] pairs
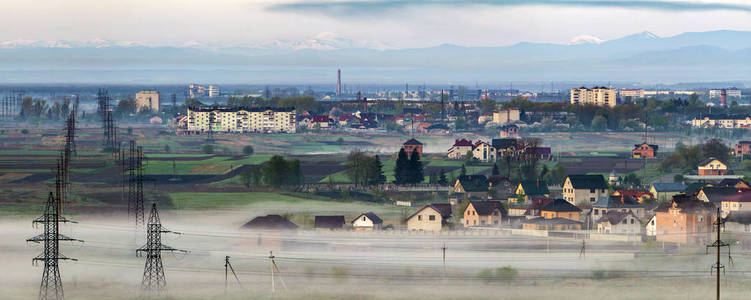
{"points": [[460, 149], [740, 202], [685, 220], [471, 185], [438, 129], [412, 145], [156, 120], [640, 196], [321, 122], [433, 217], [738, 225], [538, 153], [499, 187], [716, 194], [613, 178], [622, 203], [722, 121], [329, 222], [367, 222], [584, 188], [344, 120], [534, 209], [559, 208], [269, 222], [507, 147], [551, 224], [664, 191], [618, 222], [651, 227], [712, 166], [529, 190], [644, 150], [742, 148], [734, 182], [509, 131], [484, 213], [484, 152]]}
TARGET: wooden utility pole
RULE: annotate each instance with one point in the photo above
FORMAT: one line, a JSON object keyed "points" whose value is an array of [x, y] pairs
{"points": [[226, 267], [444, 258], [718, 244], [271, 258], [583, 252]]}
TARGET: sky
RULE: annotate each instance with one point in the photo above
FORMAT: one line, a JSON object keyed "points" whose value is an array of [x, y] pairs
{"points": [[393, 23]]}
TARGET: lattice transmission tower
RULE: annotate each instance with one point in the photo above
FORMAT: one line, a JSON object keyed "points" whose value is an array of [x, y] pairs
{"points": [[51, 286], [153, 272], [109, 141], [134, 170]]}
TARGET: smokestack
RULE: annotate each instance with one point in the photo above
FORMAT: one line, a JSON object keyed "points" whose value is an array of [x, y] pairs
{"points": [[338, 82], [724, 97]]}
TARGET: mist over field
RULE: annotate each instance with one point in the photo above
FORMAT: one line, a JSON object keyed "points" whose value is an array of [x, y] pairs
{"points": [[360, 265]]}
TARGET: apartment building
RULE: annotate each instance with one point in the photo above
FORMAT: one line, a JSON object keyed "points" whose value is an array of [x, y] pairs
{"points": [[600, 96], [147, 100], [241, 119]]}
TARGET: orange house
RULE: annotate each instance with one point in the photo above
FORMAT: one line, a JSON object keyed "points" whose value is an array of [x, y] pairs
{"points": [[559, 208], [644, 150], [412, 145], [712, 166], [686, 220], [484, 213]]}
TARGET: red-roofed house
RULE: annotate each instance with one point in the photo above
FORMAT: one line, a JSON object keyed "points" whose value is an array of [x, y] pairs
{"points": [[412, 145], [460, 149], [321, 121]]}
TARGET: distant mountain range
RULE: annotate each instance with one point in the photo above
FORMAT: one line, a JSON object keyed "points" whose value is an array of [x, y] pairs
{"points": [[693, 56]]}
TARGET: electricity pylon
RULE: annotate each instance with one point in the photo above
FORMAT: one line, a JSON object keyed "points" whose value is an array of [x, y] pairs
{"points": [[153, 272], [51, 286]]}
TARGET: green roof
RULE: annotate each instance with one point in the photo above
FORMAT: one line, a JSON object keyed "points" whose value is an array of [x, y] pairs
{"points": [[534, 188], [588, 181], [473, 183]]}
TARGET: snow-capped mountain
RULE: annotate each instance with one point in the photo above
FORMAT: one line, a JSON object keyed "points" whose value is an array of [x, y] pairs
{"points": [[585, 39]]}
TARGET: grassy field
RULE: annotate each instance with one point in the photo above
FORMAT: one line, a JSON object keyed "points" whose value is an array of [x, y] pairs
{"points": [[225, 200]]}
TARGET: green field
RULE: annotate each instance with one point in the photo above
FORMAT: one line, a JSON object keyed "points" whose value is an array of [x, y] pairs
{"points": [[224, 200]]}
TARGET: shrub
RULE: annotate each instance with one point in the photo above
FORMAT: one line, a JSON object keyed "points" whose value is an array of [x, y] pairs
{"points": [[24, 131], [506, 273], [338, 272], [207, 148], [485, 275], [248, 150], [167, 149]]}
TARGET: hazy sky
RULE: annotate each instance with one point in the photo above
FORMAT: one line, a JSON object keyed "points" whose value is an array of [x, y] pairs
{"points": [[401, 24]]}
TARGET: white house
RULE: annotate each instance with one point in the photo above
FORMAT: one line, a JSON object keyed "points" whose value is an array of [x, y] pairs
{"points": [[483, 151], [367, 221]]}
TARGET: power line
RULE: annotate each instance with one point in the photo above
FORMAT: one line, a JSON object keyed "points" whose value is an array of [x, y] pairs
{"points": [[719, 244]]}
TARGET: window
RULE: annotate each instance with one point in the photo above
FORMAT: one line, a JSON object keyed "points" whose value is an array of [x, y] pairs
{"points": [[592, 199], [363, 218], [467, 222], [591, 190], [431, 218], [419, 217], [597, 212], [632, 221], [625, 221]]}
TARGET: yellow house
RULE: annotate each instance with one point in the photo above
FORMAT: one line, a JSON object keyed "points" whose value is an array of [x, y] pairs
{"points": [[484, 213], [712, 166], [560, 208], [532, 189], [431, 217]]}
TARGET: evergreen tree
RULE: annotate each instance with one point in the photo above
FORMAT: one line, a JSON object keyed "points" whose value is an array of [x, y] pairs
{"points": [[379, 178], [442, 178], [464, 171], [416, 173], [401, 167], [495, 170], [433, 179]]}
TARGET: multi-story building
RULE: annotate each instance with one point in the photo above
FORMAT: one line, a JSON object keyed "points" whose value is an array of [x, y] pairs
{"points": [[213, 91], [484, 151], [584, 188], [730, 93], [241, 119], [712, 166], [742, 148], [633, 93], [147, 100], [644, 150], [686, 220], [722, 121], [506, 116], [600, 96]]}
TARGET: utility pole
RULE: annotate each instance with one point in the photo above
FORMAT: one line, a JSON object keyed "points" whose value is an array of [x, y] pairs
{"points": [[274, 267], [153, 272], [719, 244], [444, 258], [583, 252], [228, 266], [51, 286]]}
